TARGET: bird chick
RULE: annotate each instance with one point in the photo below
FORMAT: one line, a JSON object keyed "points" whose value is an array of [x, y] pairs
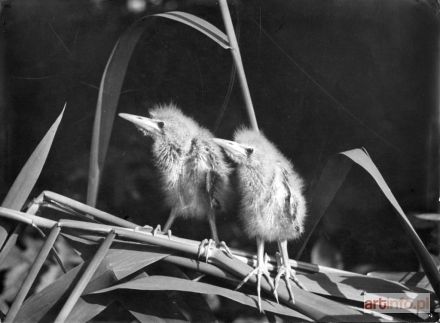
{"points": [[194, 174], [272, 205]]}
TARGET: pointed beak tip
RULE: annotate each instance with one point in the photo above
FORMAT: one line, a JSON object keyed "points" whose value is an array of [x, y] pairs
{"points": [[123, 115]]}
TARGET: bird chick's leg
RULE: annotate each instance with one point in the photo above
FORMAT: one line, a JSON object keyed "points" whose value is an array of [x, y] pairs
{"points": [[286, 270], [212, 179], [168, 224], [214, 233], [260, 270]]}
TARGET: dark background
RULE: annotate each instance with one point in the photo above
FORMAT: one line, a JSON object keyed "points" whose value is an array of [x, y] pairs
{"points": [[325, 76]]}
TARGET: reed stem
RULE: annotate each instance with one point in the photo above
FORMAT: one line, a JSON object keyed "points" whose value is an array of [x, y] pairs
{"points": [[235, 51], [85, 278], [32, 275]]}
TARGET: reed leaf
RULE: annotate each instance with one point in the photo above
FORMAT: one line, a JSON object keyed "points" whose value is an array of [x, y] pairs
{"points": [[32, 275], [361, 157], [118, 264], [86, 276], [108, 98], [333, 176], [23, 185], [158, 283], [26, 179], [44, 305], [412, 279], [111, 84], [199, 24]]}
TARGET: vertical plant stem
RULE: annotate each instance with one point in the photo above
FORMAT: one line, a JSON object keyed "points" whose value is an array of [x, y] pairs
{"points": [[85, 278], [235, 50], [32, 275]]}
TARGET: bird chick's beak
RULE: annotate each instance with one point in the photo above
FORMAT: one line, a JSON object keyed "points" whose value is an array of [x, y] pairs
{"points": [[234, 149], [143, 123]]}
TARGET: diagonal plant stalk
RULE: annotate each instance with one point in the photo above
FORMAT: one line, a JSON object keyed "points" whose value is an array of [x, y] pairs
{"points": [[235, 51], [96, 214], [32, 275], [85, 278]]}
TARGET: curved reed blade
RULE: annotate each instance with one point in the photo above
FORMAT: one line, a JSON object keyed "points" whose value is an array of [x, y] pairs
{"points": [[361, 157], [112, 80], [24, 183], [108, 98], [199, 24], [178, 284]]}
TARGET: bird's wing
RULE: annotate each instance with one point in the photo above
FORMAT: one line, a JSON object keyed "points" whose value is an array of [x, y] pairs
{"points": [[290, 203], [212, 180]]}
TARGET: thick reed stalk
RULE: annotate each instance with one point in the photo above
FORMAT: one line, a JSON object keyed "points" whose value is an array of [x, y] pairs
{"points": [[175, 243], [235, 51], [84, 208]]}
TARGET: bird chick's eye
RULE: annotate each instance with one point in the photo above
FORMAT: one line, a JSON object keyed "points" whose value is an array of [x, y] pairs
{"points": [[161, 124], [249, 151]]}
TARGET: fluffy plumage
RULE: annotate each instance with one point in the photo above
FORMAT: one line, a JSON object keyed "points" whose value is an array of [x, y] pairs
{"points": [[271, 199], [272, 205], [195, 177], [184, 154]]}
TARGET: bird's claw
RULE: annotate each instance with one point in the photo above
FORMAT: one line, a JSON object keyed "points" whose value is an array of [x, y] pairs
{"points": [[205, 249], [222, 245], [206, 246], [260, 270], [288, 273], [158, 229]]}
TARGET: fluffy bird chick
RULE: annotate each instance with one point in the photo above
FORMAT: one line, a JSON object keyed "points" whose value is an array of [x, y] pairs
{"points": [[195, 177], [272, 205]]}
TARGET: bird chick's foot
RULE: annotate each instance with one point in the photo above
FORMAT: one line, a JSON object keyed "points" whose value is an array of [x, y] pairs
{"points": [[259, 271], [222, 245], [205, 249], [288, 274], [158, 229], [145, 228]]}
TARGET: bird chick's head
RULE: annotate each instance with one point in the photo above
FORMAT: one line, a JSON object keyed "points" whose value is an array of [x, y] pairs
{"points": [[239, 153], [167, 125], [250, 147]]}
